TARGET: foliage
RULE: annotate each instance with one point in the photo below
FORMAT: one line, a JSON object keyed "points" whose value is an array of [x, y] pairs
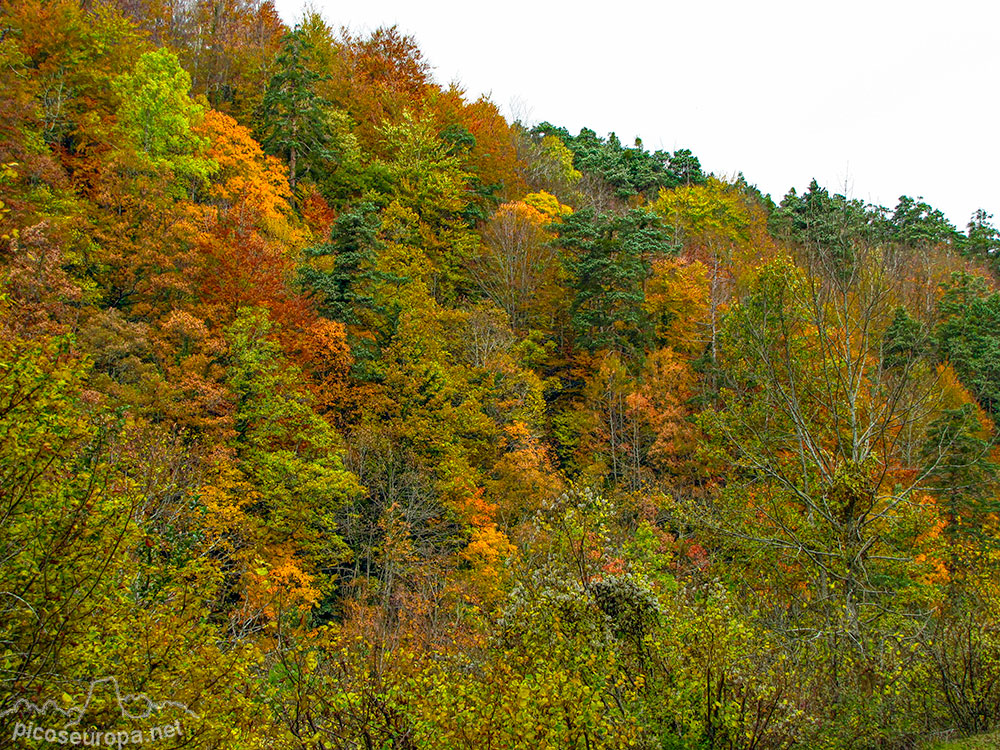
{"points": [[348, 414], [292, 113], [609, 260], [628, 170], [352, 249], [968, 336], [157, 116]]}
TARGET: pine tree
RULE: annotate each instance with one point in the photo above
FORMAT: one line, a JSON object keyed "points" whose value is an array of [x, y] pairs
{"points": [[983, 239], [609, 257]]}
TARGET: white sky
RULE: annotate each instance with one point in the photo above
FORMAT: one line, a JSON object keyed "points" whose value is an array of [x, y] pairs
{"points": [[885, 97]]}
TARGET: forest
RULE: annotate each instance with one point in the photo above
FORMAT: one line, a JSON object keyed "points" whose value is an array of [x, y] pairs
{"points": [[346, 414]]}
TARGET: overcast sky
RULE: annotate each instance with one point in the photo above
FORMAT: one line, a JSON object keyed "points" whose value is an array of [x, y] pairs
{"points": [[883, 97]]}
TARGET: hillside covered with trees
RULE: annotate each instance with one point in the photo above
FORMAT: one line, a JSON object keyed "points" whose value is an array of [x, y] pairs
{"points": [[348, 414]]}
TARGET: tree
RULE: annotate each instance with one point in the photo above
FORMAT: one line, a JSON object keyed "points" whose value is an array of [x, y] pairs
{"points": [[290, 460], [547, 164], [723, 230], [825, 226], [240, 266], [424, 177], [102, 554], [921, 226], [831, 458], [246, 175], [609, 259], [969, 336], [157, 117], [517, 260], [49, 496], [686, 168], [983, 239], [491, 155], [660, 404], [610, 448], [678, 300], [628, 170], [229, 45], [293, 119], [344, 291], [388, 78]]}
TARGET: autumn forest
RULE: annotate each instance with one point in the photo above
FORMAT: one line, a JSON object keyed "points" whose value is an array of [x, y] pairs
{"points": [[347, 414]]}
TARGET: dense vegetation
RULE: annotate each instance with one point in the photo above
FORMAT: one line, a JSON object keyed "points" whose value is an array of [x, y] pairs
{"points": [[350, 415]]}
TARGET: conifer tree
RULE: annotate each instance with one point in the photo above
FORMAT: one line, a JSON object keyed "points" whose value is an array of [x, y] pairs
{"points": [[293, 117], [609, 257], [353, 245]]}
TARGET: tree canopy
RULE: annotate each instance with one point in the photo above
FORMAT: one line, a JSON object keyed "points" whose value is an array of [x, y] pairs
{"points": [[337, 411]]}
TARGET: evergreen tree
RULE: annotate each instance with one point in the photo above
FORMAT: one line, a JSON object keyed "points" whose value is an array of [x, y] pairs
{"points": [[983, 239], [918, 224], [353, 245], [609, 257], [905, 341], [628, 170], [969, 337], [294, 123], [828, 226]]}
